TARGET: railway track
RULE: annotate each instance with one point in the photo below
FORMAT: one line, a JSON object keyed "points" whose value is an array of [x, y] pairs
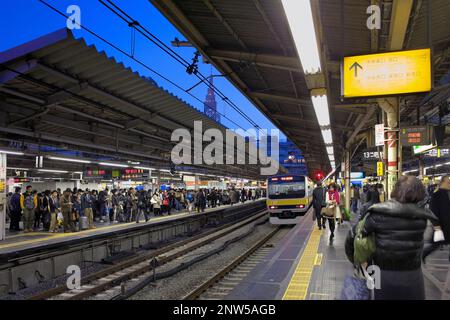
{"points": [[110, 283], [221, 284]]}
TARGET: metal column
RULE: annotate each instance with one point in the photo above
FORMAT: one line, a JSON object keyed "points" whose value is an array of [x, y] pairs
{"points": [[391, 107], [347, 179]]}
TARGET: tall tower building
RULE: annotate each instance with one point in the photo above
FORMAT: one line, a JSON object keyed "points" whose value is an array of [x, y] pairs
{"points": [[210, 104]]}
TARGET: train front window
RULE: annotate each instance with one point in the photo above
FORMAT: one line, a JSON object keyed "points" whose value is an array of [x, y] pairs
{"points": [[287, 190]]}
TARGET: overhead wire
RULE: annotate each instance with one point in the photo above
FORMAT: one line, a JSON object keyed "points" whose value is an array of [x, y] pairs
{"points": [[160, 44], [134, 59]]}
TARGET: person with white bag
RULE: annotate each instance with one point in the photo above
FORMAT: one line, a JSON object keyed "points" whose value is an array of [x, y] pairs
{"points": [[440, 205]]}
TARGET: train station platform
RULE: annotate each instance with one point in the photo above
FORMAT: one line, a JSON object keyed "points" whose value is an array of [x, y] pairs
{"points": [[306, 266], [19, 242]]}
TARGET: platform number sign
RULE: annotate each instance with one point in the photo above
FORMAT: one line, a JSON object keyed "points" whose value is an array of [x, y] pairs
{"points": [[380, 169]]}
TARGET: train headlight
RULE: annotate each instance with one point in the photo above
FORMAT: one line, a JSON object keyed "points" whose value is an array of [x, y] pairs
{"points": [[273, 207], [301, 206]]}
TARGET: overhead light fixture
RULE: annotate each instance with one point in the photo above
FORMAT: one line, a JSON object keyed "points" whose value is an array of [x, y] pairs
{"points": [[17, 169], [330, 150], [301, 23], [320, 104], [145, 168], [16, 153], [52, 171], [68, 159], [327, 136], [108, 164]]}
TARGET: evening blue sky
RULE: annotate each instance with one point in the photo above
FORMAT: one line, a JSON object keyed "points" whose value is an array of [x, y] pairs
{"points": [[25, 20]]}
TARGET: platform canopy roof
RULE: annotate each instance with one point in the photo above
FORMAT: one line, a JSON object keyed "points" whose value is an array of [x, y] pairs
{"points": [[58, 91], [250, 41]]}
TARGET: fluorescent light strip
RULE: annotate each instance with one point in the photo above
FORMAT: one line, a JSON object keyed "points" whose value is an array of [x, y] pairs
{"points": [[16, 153], [320, 104], [19, 169], [113, 164], [330, 150], [145, 168], [299, 15], [52, 171], [327, 136], [69, 160]]}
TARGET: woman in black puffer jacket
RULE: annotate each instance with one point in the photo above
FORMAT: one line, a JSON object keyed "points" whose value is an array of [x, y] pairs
{"points": [[398, 226]]}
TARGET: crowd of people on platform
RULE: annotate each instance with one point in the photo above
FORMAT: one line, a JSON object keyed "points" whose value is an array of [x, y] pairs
{"points": [[395, 235], [77, 209]]}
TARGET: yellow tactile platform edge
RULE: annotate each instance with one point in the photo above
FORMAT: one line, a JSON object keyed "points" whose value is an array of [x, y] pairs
{"points": [[299, 283]]}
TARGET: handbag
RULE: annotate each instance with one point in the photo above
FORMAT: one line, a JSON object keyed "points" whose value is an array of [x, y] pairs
{"points": [[364, 246], [355, 289], [329, 211], [438, 235]]}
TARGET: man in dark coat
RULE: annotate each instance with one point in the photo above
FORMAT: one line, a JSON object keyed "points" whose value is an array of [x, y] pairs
{"points": [[440, 205], [318, 202]]}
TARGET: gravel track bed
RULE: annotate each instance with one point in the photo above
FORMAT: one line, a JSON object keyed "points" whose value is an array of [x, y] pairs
{"points": [[182, 283]]}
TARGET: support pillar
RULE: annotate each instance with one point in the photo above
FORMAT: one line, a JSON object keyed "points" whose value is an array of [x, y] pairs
{"points": [[421, 167], [391, 107], [3, 159], [347, 179]]}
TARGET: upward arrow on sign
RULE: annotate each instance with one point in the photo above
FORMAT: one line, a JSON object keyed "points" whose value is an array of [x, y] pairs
{"points": [[355, 66]]}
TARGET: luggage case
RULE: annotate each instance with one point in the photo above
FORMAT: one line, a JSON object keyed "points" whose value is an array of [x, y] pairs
{"points": [[84, 223]]}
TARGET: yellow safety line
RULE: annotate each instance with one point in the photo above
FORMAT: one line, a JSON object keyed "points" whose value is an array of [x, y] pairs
{"points": [[72, 234], [299, 284]]}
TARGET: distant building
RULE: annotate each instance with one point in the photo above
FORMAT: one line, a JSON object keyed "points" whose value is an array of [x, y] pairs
{"points": [[210, 104], [292, 158]]}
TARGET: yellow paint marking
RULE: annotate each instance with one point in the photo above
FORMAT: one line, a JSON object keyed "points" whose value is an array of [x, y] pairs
{"points": [[75, 234], [318, 260], [299, 284]]}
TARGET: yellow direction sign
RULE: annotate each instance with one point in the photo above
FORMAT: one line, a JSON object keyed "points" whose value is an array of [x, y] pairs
{"points": [[386, 73], [380, 171]]}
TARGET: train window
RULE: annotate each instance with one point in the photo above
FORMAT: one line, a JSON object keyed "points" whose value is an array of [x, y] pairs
{"points": [[287, 190]]}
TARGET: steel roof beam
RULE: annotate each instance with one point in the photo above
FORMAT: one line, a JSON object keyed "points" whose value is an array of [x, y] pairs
{"points": [[401, 11], [281, 98], [263, 60], [150, 115]]}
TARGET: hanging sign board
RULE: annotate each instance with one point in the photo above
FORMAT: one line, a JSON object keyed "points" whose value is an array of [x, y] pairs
{"points": [[380, 171], [372, 154], [379, 135], [388, 73], [414, 136]]}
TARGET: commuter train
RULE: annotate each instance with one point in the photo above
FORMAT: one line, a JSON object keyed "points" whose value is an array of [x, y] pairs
{"points": [[288, 198]]}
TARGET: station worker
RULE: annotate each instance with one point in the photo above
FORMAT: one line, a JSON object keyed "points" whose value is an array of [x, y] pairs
{"points": [[28, 204]]}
